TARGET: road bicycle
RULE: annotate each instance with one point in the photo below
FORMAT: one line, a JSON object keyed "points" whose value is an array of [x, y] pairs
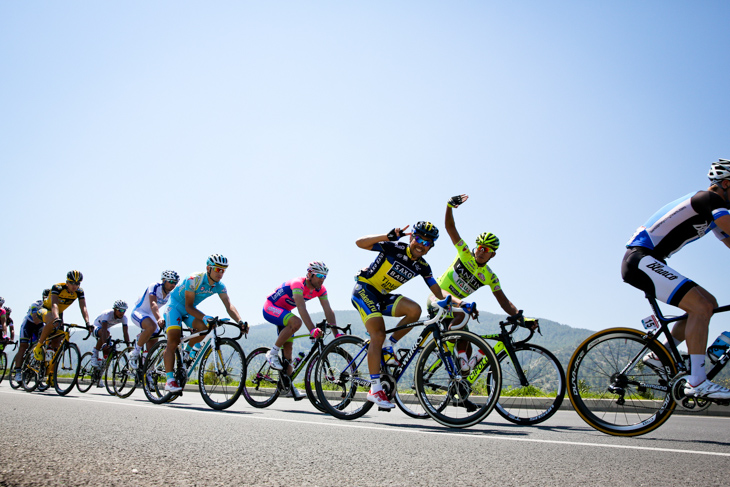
{"points": [[436, 386], [533, 381], [125, 378], [58, 368], [220, 361], [90, 375], [4, 357], [265, 384], [615, 392]]}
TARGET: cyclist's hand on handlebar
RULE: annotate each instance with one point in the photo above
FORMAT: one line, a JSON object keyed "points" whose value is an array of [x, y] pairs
{"points": [[243, 326], [457, 200], [315, 333], [471, 309]]}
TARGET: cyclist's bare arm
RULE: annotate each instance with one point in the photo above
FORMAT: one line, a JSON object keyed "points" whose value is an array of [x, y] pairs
{"points": [[328, 313], [505, 303], [156, 310], [232, 311], [303, 313], [437, 291], [190, 306], [84, 312], [368, 241]]}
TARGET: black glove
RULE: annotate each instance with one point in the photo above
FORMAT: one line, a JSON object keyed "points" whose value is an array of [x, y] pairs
{"points": [[455, 201], [393, 234]]}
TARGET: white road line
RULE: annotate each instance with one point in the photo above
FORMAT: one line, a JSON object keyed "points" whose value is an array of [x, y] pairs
{"points": [[390, 429]]}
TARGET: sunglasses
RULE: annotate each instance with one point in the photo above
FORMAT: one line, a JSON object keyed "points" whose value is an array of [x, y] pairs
{"points": [[174, 283], [321, 276], [423, 241], [485, 248], [219, 269]]}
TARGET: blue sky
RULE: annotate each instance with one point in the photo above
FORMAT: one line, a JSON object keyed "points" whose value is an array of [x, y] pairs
{"points": [[141, 136]]}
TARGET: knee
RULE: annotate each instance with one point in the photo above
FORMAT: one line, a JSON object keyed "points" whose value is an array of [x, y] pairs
{"points": [[377, 337], [413, 313], [295, 324]]}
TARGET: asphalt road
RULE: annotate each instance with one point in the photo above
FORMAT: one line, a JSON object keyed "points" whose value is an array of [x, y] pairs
{"points": [[96, 439]]}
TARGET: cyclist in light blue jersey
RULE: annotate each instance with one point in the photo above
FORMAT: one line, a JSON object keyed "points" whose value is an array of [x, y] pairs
{"points": [[182, 308]]}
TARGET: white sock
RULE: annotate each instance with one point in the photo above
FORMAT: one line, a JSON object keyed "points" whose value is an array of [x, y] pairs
{"points": [[697, 370]]}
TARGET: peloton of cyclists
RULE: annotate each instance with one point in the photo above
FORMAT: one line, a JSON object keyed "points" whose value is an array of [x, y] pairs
{"points": [[182, 308], [644, 266]]}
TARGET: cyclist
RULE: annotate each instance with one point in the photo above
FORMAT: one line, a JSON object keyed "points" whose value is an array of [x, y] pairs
{"points": [[280, 303], [61, 297], [29, 331], [3, 320], [102, 323], [182, 308], [644, 266], [466, 275], [147, 314], [395, 265], [10, 327]]}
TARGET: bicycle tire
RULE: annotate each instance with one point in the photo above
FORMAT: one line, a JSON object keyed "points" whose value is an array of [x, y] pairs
{"points": [[448, 397], [406, 397], [11, 379], [221, 387], [31, 372], [108, 373], [342, 378], [124, 378], [86, 373], [3, 365], [155, 376], [261, 387], [66, 365], [595, 383], [534, 403], [309, 385]]}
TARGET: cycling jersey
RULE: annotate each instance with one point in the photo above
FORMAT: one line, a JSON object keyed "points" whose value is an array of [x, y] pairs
{"points": [[108, 317], [65, 297], [36, 312], [680, 222], [175, 312], [465, 275], [283, 297], [155, 289], [393, 267]]}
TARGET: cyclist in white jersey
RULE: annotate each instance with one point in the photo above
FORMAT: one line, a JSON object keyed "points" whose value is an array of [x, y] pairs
{"points": [[147, 314], [644, 266], [102, 323]]}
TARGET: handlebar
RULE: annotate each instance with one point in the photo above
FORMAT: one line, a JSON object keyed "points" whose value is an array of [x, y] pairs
{"points": [[322, 325], [518, 320], [73, 325]]}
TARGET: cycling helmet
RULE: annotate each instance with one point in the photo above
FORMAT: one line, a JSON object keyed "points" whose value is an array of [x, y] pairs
{"points": [[217, 260], [7, 309], [171, 276], [2, 301], [317, 267], [46, 292], [488, 239], [426, 229], [120, 304], [719, 170], [75, 277]]}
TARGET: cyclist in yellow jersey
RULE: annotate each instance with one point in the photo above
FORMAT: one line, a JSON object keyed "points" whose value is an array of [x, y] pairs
{"points": [[468, 273], [61, 297], [395, 265]]}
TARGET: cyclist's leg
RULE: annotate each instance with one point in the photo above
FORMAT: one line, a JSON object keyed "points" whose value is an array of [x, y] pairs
{"points": [[48, 328], [173, 330]]}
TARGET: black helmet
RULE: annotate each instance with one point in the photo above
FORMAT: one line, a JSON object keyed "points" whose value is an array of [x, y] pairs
{"points": [[426, 229], [75, 277]]}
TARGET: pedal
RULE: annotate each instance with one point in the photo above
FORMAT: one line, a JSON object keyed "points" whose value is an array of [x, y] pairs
{"points": [[387, 410]]}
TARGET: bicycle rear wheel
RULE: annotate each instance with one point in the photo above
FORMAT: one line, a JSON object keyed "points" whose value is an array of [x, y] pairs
{"points": [[261, 386], [222, 373], [448, 397], [123, 377], [86, 373], [613, 390], [309, 385], [541, 397], [66, 368], [13, 383], [155, 376], [342, 379], [406, 397]]}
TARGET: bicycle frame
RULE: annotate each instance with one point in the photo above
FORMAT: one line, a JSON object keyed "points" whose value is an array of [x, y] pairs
{"points": [[316, 347], [505, 343]]}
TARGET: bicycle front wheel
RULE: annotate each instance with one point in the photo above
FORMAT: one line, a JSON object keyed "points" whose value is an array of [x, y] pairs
{"points": [[222, 373], [155, 376], [406, 397], [613, 390], [342, 379], [309, 385], [260, 389], [86, 373], [123, 377], [3, 365], [66, 368], [13, 383], [541, 395], [453, 397]]}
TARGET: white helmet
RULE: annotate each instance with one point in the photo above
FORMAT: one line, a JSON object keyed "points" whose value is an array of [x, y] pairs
{"points": [[719, 171], [317, 267], [170, 276], [217, 260], [120, 305]]}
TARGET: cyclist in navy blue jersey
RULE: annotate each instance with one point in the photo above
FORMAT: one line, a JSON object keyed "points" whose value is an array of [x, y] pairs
{"points": [[644, 266]]}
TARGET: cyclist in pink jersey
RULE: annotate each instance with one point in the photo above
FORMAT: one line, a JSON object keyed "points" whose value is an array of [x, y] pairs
{"points": [[291, 294]]}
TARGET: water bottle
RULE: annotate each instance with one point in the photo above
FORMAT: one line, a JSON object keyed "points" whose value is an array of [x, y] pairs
{"points": [[49, 354], [298, 359], [718, 348]]}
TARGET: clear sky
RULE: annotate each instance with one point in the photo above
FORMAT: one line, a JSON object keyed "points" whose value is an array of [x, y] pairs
{"points": [[142, 136]]}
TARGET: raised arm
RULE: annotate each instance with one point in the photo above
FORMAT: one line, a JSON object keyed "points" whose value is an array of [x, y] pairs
{"points": [[368, 241], [449, 223]]}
